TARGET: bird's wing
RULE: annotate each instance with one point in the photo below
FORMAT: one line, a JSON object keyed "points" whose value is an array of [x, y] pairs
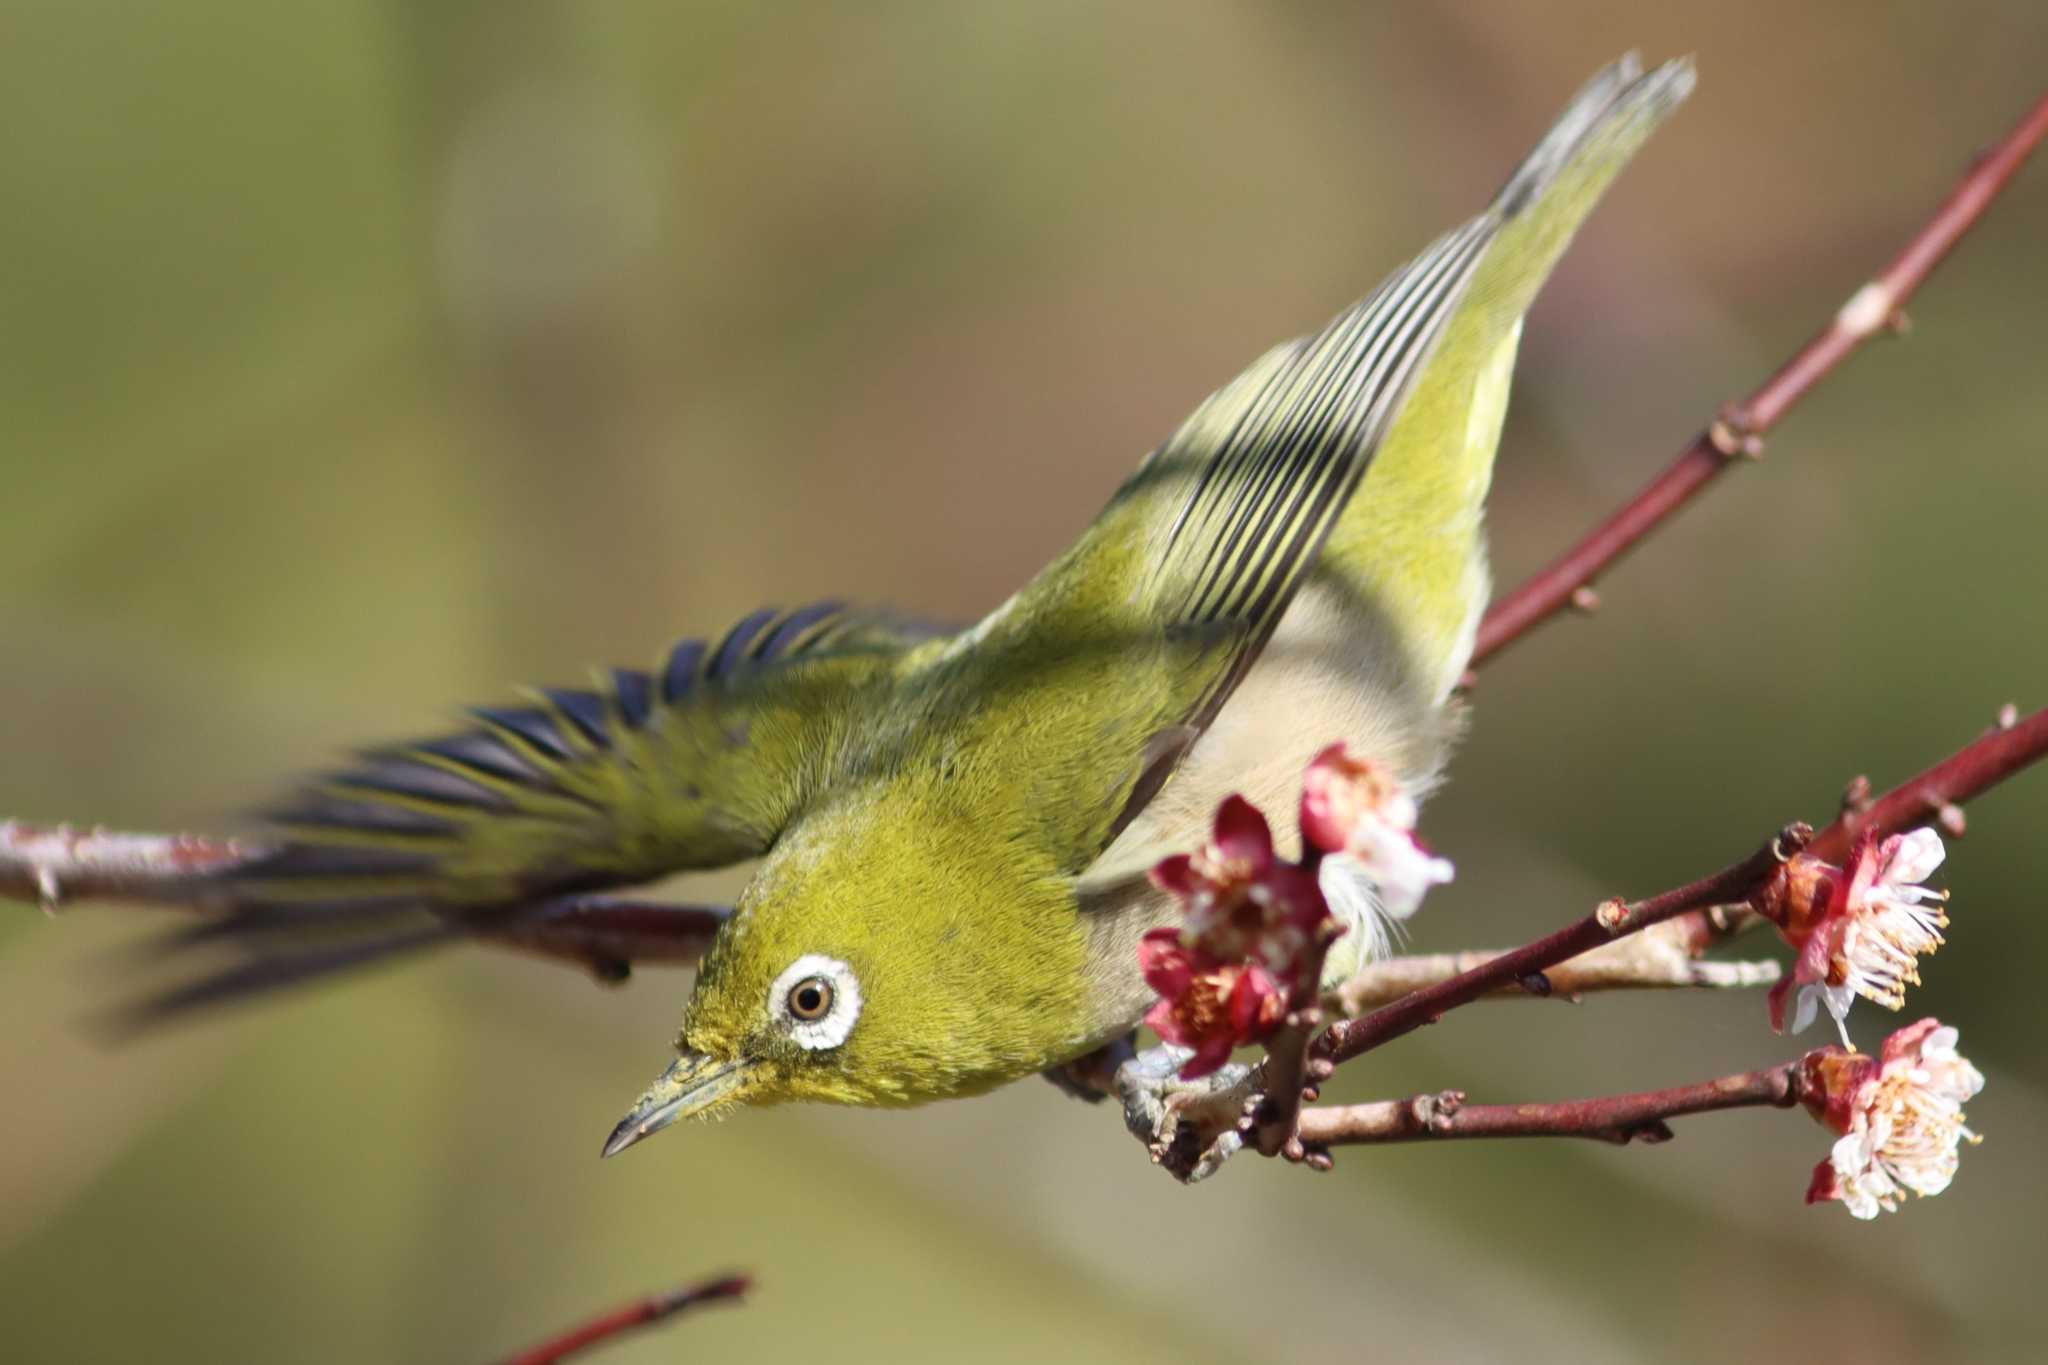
{"points": [[1150, 620], [1163, 606], [696, 764]]}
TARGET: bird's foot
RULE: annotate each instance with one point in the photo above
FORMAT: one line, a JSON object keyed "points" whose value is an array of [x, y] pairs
{"points": [[1190, 1127], [1091, 1078]]}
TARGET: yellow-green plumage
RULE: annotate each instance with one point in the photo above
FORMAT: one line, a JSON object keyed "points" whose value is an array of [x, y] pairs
{"points": [[954, 828]]}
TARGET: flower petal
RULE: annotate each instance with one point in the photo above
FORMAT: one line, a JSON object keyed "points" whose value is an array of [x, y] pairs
{"points": [[1168, 966], [1176, 876], [1910, 857], [1904, 1044], [1165, 1021], [1803, 1012], [1210, 1055], [1242, 836]]}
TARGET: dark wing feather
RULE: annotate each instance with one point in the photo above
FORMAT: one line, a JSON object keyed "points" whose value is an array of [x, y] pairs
{"points": [[695, 764]]}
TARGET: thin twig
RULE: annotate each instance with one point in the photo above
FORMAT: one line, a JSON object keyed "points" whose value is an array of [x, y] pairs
{"points": [[1269, 1121], [1283, 1082], [56, 865], [1663, 957], [1640, 1117], [640, 1313], [1972, 770], [1875, 308], [52, 864], [1610, 921], [1926, 798]]}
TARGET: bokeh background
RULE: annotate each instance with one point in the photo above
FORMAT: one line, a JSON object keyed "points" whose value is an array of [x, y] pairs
{"points": [[358, 358]]}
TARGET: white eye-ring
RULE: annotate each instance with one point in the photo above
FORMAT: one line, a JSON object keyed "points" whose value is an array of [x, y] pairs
{"points": [[818, 999]]}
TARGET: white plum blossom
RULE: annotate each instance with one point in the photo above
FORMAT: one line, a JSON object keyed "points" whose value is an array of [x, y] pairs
{"points": [[1860, 930], [1900, 1117]]}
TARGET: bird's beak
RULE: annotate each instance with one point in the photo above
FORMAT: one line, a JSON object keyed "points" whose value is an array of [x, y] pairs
{"points": [[691, 1085]]}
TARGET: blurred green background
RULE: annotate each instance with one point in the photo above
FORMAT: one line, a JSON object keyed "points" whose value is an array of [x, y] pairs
{"points": [[360, 357]]}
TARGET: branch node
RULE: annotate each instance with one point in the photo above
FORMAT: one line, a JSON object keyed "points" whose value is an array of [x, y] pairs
{"points": [[1612, 915], [49, 893], [1869, 310], [2008, 716], [1734, 434], [1856, 795], [1434, 1113], [1951, 819], [1791, 841], [1585, 600]]}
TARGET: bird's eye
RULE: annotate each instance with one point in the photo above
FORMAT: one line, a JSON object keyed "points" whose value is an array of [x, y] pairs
{"points": [[816, 1002], [810, 999]]}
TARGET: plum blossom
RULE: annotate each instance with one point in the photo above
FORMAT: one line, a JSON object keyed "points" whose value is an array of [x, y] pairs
{"points": [[1211, 1006], [1241, 900], [1352, 807], [1900, 1116], [1243, 954], [1860, 930]]}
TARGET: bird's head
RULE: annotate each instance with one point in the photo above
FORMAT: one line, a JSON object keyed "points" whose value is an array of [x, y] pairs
{"points": [[878, 960]]}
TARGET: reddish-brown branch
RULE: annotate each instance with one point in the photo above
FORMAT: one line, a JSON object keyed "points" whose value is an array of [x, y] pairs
{"points": [[50, 864], [1972, 770], [1640, 1117], [1664, 957], [55, 865], [1923, 799], [1739, 432], [1270, 1121], [1268, 1125], [1610, 921], [640, 1313]]}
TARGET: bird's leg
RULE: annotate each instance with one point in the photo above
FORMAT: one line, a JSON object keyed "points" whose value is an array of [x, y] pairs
{"points": [[1190, 1127], [1091, 1077]]}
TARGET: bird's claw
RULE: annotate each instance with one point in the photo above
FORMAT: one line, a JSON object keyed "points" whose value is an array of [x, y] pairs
{"points": [[1190, 1127]]}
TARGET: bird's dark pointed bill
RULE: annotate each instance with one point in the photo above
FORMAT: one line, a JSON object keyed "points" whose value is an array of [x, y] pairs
{"points": [[692, 1084]]}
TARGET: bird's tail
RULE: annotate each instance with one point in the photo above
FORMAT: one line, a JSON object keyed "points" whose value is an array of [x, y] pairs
{"points": [[1410, 541], [1559, 182]]}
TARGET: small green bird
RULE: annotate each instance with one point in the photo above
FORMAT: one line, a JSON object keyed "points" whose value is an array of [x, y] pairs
{"points": [[955, 828]]}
